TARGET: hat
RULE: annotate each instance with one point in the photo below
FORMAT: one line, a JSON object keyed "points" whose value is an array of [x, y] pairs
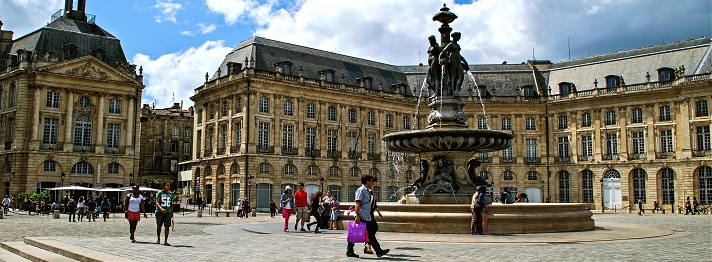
{"points": [[288, 188]]}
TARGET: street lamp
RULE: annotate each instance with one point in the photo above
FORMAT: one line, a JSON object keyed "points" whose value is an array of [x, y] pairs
{"points": [[603, 208], [62, 176], [131, 179], [322, 183], [542, 191]]}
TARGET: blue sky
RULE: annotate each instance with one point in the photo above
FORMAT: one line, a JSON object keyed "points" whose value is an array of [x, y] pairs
{"points": [[178, 41]]}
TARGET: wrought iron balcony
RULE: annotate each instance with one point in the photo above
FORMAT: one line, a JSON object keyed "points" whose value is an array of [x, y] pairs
{"points": [[409, 159], [506, 160], [235, 149], [289, 150], [83, 148], [312, 152], [115, 150], [664, 155], [54, 146], [582, 158], [221, 151], [636, 157], [532, 160], [374, 156], [208, 152], [334, 154], [563, 159], [610, 157], [353, 154], [265, 149], [701, 153]]}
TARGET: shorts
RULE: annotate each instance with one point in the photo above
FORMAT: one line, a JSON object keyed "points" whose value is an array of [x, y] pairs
{"points": [[302, 213], [335, 214], [80, 210], [133, 216], [163, 219]]}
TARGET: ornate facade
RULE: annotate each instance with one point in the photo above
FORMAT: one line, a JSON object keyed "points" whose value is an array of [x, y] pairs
{"points": [[277, 114], [166, 136], [68, 107]]}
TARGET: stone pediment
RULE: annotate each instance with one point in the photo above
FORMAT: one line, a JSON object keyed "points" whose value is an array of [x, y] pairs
{"points": [[89, 67]]}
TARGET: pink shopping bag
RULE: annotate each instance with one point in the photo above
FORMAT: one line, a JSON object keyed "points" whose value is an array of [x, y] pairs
{"points": [[356, 232]]}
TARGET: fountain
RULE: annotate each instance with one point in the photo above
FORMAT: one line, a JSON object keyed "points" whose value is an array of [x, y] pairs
{"points": [[447, 146]]}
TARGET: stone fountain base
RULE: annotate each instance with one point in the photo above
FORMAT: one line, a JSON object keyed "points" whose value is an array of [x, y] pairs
{"points": [[503, 219]]}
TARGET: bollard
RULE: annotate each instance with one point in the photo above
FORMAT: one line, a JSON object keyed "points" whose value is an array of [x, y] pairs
{"points": [[254, 212], [1, 214], [55, 215], [679, 210], [628, 209], [200, 213]]}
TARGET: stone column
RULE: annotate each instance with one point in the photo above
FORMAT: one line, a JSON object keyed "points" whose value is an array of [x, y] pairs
{"points": [[69, 122], [573, 126], [36, 115], [276, 139], [599, 142], [650, 136], [622, 134], [131, 122], [100, 125], [683, 131]]}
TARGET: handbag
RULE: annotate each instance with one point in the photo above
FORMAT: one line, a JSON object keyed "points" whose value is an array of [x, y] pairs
{"points": [[356, 232]]}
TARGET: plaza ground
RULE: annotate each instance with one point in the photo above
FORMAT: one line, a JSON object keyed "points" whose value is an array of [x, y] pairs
{"points": [[620, 236]]}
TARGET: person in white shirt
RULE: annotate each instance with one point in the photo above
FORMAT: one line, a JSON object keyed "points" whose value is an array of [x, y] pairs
{"points": [[133, 206]]}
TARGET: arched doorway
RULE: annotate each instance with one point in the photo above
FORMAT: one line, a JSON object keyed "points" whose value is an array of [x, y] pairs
{"points": [[612, 189]]}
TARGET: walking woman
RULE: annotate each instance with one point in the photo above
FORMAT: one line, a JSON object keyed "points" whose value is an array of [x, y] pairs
{"points": [[272, 208], [80, 208], [133, 206], [315, 205], [105, 208], [478, 225], [287, 202]]}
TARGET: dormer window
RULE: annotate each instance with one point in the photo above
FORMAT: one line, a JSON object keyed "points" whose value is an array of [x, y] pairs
{"points": [[70, 51], [20, 55], [529, 91], [613, 81], [666, 74], [328, 76], [483, 91], [285, 68], [99, 54], [368, 83], [233, 67], [565, 88]]}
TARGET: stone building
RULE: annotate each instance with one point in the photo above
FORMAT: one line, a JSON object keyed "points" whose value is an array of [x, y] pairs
{"points": [[68, 106], [275, 114], [166, 136]]}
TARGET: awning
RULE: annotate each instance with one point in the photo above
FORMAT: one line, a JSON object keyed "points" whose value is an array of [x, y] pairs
{"points": [[148, 189], [62, 188]]}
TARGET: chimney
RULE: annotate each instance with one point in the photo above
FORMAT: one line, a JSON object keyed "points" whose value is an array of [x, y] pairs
{"points": [[68, 5], [82, 6], [191, 110], [176, 105], [146, 106]]}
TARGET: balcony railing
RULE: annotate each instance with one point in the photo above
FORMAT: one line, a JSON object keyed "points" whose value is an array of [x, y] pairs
{"points": [[532, 160], [409, 159], [51, 146], [208, 152], [333, 154], [234, 149], [115, 150], [701, 153], [374, 156], [265, 149], [664, 155], [289, 151], [610, 157], [506, 160], [485, 159], [636, 157], [221, 151], [84, 148], [312, 152], [563, 159], [582, 158], [353, 154]]}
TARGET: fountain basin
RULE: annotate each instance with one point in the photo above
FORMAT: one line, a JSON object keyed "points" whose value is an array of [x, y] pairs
{"points": [[520, 218], [448, 139]]}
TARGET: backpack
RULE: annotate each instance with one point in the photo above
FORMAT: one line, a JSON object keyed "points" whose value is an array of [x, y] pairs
{"points": [[481, 199], [71, 205]]}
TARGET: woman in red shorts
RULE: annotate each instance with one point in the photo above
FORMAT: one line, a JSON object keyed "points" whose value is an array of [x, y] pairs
{"points": [[133, 206]]}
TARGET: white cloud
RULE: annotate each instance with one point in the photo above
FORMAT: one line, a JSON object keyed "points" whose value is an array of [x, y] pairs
{"points": [[187, 33], [206, 29], [232, 10], [25, 16], [178, 74], [168, 10]]}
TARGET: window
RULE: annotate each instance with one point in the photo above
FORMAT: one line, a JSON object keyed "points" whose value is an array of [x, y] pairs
{"points": [[352, 115], [586, 120], [329, 76], [310, 139], [186, 148], [238, 135], [354, 172], [82, 168], [373, 172], [223, 136], [331, 140], [52, 100], [563, 122], [114, 106], [531, 147], [351, 139], [175, 130], [200, 116], [507, 153], [187, 132], [482, 123], [371, 144], [285, 68], [667, 185], [70, 51], [587, 188], [113, 135], [508, 175], [666, 74], [611, 118], [587, 145], [288, 108], [564, 88], [211, 112], [13, 94], [389, 121], [638, 143], [530, 124], [264, 168], [529, 91], [10, 131], [264, 105], [391, 174], [409, 175], [113, 168], [612, 81], [263, 135], [703, 138], [51, 127], [406, 122], [333, 171], [331, 113], [564, 196], [368, 83], [506, 123], [564, 146], [311, 170], [639, 184], [532, 176], [484, 174], [238, 105], [665, 113], [701, 108], [704, 178], [50, 166], [84, 101], [611, 144], [287, 138], [225, 109], [371, 118], [82, 131], [234, 169], [637, 115], [288, 170], [311, 111], [666, 141]]}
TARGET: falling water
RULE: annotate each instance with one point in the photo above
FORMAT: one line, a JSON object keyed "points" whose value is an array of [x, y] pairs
{"points": [[417, 107], [479, 97], [452, 190]]}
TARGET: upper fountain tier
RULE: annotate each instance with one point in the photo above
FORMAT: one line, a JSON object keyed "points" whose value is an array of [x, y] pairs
{"points": [[447, 128]]}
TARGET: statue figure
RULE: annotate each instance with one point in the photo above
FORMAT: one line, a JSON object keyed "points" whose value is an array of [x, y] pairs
{"points": [[442, 177], [454, 67], [423, 174], [472, 173], [434, 70]]}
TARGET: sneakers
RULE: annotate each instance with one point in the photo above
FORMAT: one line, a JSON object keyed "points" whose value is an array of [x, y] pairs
{"points": [[295, 226], [351, 254], [304, 230], [308, 227], [383, 252], [366, 251]]}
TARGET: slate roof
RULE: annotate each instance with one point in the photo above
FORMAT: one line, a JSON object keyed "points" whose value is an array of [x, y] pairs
{"points": [[174, 111]]}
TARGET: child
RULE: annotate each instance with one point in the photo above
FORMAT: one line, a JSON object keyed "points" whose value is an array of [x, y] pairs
{"points": [[335, 212]]}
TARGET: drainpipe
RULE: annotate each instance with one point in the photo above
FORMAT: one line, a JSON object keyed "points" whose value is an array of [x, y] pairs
{"points": [[548, 170], [247, 139]]}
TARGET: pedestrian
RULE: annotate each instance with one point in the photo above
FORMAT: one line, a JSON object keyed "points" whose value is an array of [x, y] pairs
{"points": [[656, 207], [72, 210], [300, 197], [219, 204], [478, 225], [105, 208], [640, 207], [6, 203], [81, 204], [239, 207], [164, 212], [315, 206], [272, 208], [13, 203], [695, 203], [200, 203], [688, 206], [133, 206], [287, 205], [335, 212], [91, 208], [246, 207], [364, 205]]}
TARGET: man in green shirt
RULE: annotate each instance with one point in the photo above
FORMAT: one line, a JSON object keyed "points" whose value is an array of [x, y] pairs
{"points": [[164, 212]]}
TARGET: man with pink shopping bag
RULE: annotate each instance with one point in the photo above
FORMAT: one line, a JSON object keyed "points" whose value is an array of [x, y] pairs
{"points": [[364, 213]]}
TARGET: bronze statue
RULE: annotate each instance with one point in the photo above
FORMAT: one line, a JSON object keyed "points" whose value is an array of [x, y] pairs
{"points": [[423, 174], [472, 173], [442, 180], [434, 70], [454, 66]]}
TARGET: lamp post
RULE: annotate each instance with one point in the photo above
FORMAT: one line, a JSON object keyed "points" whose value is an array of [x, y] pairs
{"points": [[542, 191], [322, 183], [131, 179], [603, 207], [62, 176]]}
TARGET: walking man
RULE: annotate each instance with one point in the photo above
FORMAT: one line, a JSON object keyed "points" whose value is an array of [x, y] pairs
{"points": [[300, 197], [91, 208], [72, 209], [164, 211], [640, 207], [364, 213]]}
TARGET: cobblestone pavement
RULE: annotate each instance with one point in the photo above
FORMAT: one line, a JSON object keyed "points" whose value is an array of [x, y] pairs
{"points": [[210, 238]]}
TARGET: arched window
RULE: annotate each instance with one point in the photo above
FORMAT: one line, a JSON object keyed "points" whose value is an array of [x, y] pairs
{"points": [[50, 166], [355, 172], [99, 54], [666, 74], [587, 185], [82, 168], [221, 170], [508, 175], [70, 51], [704, 178], [333, 171], [208, 171], [531, 175], [264, 168], [639, 184], [289, 170], [312, 170], [235, 169], [612, 173], [82, 131], [564, 196], [667, 185]]}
